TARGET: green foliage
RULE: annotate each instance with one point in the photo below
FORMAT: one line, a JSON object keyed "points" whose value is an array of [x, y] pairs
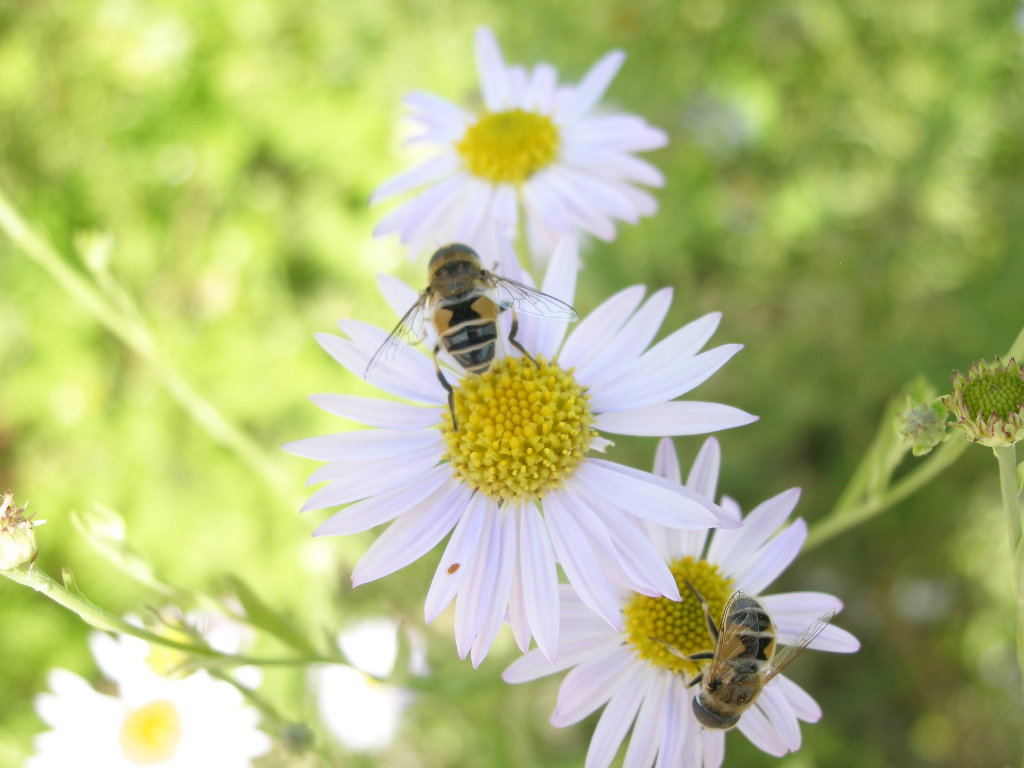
{"points": [[843, 182]]}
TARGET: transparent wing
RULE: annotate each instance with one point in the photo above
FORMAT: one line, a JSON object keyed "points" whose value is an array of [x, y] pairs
{"points": [[785, 655], [730, 643], [529, 301], [408, 331]]}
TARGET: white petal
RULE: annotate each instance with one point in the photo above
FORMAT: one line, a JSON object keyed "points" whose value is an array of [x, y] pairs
{"points": [[560, 282], [383, 507], [413, 534], [703, 477], [578, 561], [652, 379], [481, 579], [541, 90], [674, 710], [397, 294], [493, 603], [591, 684], [632, 549], [363, 444], [591, 88], [539, 580], [713, 746], [409, 376], [462, 546], [436, 114], [596, 195], [586, 339], [426, 173], [359, 480], [534, 665], [773, 558], [516, 617], [544, 211], [618, 716], [377, 413], [756, 727], [573, 196], [616, 165], [674, 418], [732, 550], [491, 69], [793, 612], [647, 496], [666, 462], [803, 706], [603, 372], [643, 742], [776, 708], [619, 132]]}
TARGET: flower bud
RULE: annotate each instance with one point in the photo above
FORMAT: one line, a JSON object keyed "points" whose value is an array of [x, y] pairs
{"points": [[988, 402], [923, 425], [17, 539]]}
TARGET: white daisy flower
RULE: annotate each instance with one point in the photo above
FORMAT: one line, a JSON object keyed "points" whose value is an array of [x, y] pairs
{"points": [[639, 679], [515, 481], [152, 720], [359, 711], [534, 146]]}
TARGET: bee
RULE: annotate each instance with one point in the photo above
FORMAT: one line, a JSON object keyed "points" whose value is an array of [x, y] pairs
{"points": [[744, 659], [463, 301]]}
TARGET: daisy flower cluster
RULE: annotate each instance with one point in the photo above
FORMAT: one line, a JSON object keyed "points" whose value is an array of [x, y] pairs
{"points": [[498, 409]]}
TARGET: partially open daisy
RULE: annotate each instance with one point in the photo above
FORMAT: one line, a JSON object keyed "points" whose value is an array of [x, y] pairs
{"points": [[534, 146], [515, 480], [633, 672], [151, 721]]}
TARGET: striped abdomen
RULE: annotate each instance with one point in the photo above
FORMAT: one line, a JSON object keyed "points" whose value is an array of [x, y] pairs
{"points": [[467, 326], [752, 626]]}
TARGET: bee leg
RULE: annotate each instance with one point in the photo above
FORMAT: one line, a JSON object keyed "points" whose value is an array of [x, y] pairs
{"points": [[695, 681], [447, 386], [712, 629], [512, 339]]}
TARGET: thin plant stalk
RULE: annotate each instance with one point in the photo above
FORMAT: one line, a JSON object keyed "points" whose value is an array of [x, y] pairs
{"points": [[94, 616], [133, 333], [1010, 492]]}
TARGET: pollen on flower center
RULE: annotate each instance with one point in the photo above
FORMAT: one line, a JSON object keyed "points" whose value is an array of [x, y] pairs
{"points": [[150, 734], [523, 429], [508, 146], [653, 625]]}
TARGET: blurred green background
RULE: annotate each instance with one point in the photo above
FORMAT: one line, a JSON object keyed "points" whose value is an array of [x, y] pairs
{"points": [[844, 182]]}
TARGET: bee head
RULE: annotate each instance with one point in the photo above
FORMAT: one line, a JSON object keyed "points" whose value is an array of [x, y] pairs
{"points": [[452, 252], [711, 719]]}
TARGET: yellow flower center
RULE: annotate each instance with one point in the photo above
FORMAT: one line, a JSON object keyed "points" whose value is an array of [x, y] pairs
{"points": [[999, 392], [653, 625], [508, 146], [150, 733], [523, 429]]}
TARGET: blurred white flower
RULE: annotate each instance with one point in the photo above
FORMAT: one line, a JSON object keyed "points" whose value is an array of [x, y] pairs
{"points": [[359, 711], [535, 146], [188, 722], [637, 678]]}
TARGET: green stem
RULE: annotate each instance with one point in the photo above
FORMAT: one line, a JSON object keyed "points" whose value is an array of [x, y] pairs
{"points": [[835, 524], [1010, 492], [95, 616], [134, 335]]}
